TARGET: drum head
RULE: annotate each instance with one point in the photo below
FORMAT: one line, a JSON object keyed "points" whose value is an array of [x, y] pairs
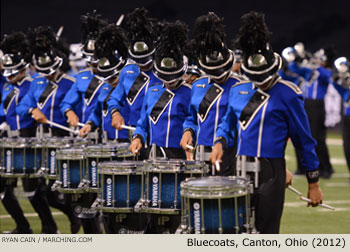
{"points": [[58, 142], [119, 167], [214, 187], [101, 150], [164, 165], [70, 153]]}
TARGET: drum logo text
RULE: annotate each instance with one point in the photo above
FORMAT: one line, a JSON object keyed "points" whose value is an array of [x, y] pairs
{"points": [[8, 161], [52, 162], [197, 217], [94, 173], [109, 191], [65, 175], [155, 191]]}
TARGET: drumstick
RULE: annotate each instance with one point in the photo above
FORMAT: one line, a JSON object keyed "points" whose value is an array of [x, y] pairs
{"points": [[190, 147], [294, 190], [128, 127], [81, 124], [62, 127], [321, 205], [120, 20], [217, 165]]}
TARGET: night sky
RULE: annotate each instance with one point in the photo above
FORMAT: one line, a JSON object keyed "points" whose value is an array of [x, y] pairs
{"points": [[317, 23]]}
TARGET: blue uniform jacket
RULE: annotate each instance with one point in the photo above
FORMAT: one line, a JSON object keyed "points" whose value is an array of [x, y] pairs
{"points": [[163, 114], [317, 88], [84, 92], [266, 119], [47, 97], [208, 106], [132, 87], [12, 94], [100, 117], [345, 94]]}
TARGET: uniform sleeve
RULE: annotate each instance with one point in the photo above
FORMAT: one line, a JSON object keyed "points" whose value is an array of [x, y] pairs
{"points": [[142, 127], [2, 112], [299, 132], [27, 102], [227, 128], [71, 99], [191, 119], [344, 92], [117, 98]]}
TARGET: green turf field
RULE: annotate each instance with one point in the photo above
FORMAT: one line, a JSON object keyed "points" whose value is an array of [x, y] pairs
{"points": [[296, 217]]}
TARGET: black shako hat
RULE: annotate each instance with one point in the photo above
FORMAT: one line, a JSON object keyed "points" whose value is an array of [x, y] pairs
{"points": [[111, 50], [170, 61], [46, 58], [91, 25], [141, 35], [260, 63], [215, 59], [16, 53]]}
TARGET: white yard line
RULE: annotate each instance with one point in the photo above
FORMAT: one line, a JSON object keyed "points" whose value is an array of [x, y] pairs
{"points": [[334, 141], [329, 202], [7, 216]]}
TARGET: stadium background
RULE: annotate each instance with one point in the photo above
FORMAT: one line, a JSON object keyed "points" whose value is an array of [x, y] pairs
{"points": [[315, 22]]}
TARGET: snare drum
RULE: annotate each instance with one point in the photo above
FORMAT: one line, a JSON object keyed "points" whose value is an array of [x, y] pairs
{"points": [[94, 155], [121, 185], [123, 150], [162, 183], [215, 205], [22, 157], [71, 170], [51, 146]]}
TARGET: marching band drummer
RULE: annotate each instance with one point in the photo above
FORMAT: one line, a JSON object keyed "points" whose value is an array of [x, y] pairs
{"points": [[87, 86], [136, 77], [210, 93], [165, 106], [15, 62], [265, 112], [112, 52], [43, 99]]}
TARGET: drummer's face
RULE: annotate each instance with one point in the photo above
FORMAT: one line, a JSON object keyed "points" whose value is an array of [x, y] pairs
{"points": [[13, 79]]}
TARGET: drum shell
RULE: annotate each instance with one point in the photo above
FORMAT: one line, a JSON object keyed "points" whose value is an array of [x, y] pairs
{"points": [[121, 186]]}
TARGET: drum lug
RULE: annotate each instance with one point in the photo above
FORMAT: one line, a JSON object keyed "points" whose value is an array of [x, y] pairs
{"points": [[56, 185], [139, 205]]}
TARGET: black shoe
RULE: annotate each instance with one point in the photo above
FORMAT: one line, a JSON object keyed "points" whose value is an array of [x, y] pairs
{"points": [[326, 175], [299, 172], [75, 225]]}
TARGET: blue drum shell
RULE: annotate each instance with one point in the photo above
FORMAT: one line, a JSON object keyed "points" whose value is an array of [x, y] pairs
{"points": [[211, 215], [19, 158], [72, 178], [117, 184], [167, 189]]}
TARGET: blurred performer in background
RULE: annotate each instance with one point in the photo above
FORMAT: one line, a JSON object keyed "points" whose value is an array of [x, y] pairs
{"points": [[165, 107], [341, 82], [112, 52], [209, 97], [193, 72], [266, 111], [136, 77], [17, 55], [43, 99]]}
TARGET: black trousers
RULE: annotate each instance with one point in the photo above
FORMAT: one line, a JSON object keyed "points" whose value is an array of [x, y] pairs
{"points": [[346, 139], [315, 110], [12, 206], [268, 198]]}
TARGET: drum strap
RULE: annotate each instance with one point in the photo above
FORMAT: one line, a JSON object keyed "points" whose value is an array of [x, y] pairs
{"points": [[9, 99], [161, 105], [46, 94], [140, 82]]}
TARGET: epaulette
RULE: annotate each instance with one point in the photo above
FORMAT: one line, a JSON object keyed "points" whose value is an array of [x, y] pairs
{"points": [[240, 83], [291, 85], [67, 77], [186, 85]]}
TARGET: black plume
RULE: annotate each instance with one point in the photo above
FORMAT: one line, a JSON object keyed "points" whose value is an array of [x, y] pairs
{"points": [[91, 24], [42, 40], [209, 33], [331, 54], [63, 53], [111, 38], [139, 25], [191, 52], [253, 33], [172, 41], [15, 43]]}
